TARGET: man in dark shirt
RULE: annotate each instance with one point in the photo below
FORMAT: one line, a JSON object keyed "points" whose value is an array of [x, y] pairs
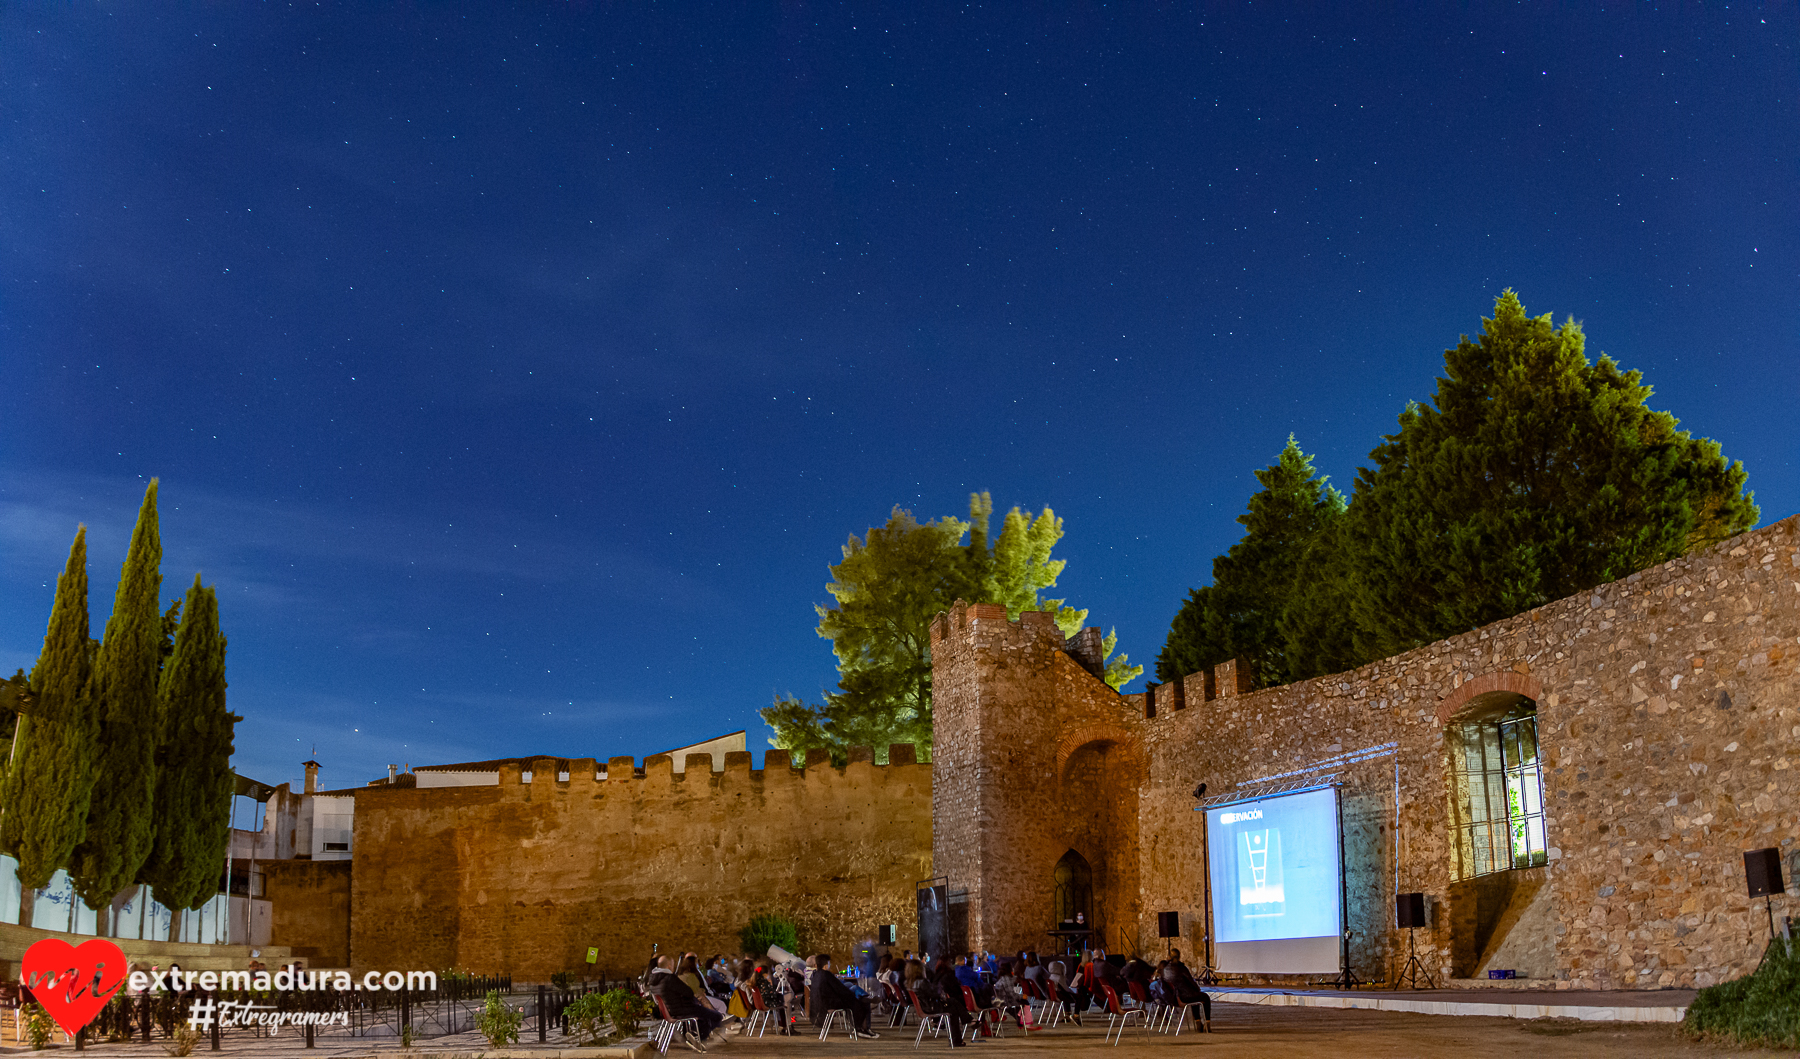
{"points": [[678, 999], [967, 975], [829, 993]]}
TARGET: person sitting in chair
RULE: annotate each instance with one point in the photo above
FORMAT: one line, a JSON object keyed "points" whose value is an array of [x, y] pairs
{"points": [[678, 999], [1180, 985], [829, 993], [966, 974]]}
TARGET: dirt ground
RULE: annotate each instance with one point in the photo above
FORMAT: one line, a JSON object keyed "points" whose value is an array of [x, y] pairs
{"points": [[1306, 1033]]}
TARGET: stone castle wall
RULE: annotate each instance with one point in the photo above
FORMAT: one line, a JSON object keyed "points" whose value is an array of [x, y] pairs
{"points": [[1669, 726], [523, 877], [309, 904]]}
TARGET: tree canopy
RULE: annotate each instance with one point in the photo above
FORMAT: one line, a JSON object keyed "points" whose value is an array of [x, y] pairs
{"points": [[888, 587], [1533, 474], [1242, 614]]}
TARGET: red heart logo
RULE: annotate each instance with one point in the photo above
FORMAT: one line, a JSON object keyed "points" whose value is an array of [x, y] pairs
{"points": [[73, 983]]}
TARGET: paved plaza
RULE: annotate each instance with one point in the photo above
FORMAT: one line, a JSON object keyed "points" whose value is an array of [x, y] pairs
{"points": [[1249, 1031]]}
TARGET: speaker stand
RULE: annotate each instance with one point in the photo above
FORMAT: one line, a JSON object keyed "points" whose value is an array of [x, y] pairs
{"points": [[1414, 967]]}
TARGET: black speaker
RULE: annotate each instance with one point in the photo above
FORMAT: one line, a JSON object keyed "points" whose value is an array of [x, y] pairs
{"points": [[885, 935], [1168, 924], [1409, 910], [1762, 871]]}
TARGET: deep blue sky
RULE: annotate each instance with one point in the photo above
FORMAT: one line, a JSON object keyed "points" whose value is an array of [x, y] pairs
{"points": [[516, 375]]}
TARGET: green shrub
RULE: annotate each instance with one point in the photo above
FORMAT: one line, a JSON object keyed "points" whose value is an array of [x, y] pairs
{"points": [[624, 1009], [499, 1023], [38, 1025], [561, 979], [766, 929], [1762, 1008]]}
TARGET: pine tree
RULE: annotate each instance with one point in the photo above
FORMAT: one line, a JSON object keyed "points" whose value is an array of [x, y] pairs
{"points": [[49, 784], [1533, 475], [193, 779], [119, 822], [1241, 614]]}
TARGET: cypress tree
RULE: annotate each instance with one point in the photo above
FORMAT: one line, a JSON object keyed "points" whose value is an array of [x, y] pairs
{"points": [[1532, 475], [193, 778], [47, 788], [125, 672], [1246, 610]]}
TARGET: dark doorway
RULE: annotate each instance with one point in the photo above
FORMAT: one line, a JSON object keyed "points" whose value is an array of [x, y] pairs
{"points": [[1074, 889]]}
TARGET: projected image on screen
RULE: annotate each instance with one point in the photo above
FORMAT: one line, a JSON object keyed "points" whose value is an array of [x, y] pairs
{"points": [[1275, 885]]}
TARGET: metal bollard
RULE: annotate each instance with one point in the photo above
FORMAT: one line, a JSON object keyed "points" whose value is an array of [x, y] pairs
{"points": [[215, 1033], [542, 1016], [144, 1016], [309, 1033]]}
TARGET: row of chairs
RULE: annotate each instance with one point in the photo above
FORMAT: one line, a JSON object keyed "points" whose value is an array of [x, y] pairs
{"points": [[1153, 1016]]}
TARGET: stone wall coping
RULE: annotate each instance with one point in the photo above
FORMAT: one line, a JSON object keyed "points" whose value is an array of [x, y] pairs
{"points": [[1517, 681], [738, 764]]}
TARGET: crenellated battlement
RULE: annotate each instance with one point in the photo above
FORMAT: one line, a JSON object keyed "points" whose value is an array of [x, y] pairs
{"points": [[659, 769]]}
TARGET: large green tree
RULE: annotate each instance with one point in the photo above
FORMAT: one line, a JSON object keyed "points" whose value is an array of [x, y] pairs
{"points": [[1245, 611], [194, 745], [887, 589], [1533, 474], [50, 780], [119, 823]]}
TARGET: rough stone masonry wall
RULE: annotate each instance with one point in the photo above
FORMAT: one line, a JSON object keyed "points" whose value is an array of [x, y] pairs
{"points": [[1010, 708], [309, 903], [523, 877], [1670, 728]]}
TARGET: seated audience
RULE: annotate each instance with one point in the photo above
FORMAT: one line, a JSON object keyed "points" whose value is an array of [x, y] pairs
{"points": [[969, 976], [679, 999], [1180, 985], [831, 993]]}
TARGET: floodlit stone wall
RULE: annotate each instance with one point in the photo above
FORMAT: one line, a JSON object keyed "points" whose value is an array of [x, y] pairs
{"points": [[309, 906], [523, 877], [1670, 732], [1668, 722]]}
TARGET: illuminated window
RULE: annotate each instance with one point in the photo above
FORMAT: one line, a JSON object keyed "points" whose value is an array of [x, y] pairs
{"points": [[1498, 791]]}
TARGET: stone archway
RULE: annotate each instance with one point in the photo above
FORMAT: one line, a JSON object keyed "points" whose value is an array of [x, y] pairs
{"points": [[1100, 770]]}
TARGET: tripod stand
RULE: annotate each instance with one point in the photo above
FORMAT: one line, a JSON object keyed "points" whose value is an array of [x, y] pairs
{"points": [[1346, 978], [1414, 967]]}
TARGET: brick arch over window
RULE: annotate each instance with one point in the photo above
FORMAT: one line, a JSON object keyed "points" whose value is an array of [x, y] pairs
{"points": [[1486, 684], [1100, 732]]}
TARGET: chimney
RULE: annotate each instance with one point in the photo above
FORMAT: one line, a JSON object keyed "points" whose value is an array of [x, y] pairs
{"points": [[312, 777], [393, 770]]}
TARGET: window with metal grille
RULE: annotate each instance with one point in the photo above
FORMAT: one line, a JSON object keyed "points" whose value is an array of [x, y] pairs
{"points": [[1499, 793]]}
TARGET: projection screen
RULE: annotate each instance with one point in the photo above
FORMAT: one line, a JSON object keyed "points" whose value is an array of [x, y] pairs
{"points": [[1276, 891]]}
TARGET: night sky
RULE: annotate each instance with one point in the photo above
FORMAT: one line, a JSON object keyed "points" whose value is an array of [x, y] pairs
{"points": [[516, 375]]}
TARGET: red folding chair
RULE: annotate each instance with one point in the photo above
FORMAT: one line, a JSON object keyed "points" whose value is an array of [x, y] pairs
{"points": [[896, 1002], [760, 1015], [983, 1015], [935, 1023], [1052, 1011], [1117, 1014], [665, 1033]]}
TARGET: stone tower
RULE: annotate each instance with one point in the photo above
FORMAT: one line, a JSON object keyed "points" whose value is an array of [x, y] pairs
{"points": [[1035, 758]]}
